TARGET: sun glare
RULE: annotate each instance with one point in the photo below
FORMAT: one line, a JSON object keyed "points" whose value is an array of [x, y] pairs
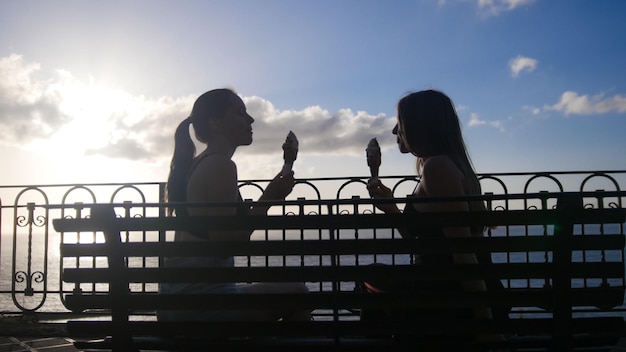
{"points": [[93, 112], [93, 117]]}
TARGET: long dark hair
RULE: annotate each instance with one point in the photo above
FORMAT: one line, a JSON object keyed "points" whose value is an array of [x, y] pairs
{"points": [[431, 126], [210, 105]]}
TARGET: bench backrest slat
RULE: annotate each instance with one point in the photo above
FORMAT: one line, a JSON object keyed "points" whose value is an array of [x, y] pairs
{"points": [[511, 244], [510, 271], [420, 221]]}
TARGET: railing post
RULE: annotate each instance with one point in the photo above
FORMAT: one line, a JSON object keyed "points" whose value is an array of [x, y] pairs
{"points": [[162, 213], [568, 207], [78, 206], [0, 234], [332, 233]]}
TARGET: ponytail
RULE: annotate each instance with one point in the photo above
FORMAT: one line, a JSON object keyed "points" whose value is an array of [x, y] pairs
{"points": [[210, 105], [184, 152]]}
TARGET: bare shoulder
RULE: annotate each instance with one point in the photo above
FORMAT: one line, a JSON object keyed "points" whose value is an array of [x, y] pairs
{"points": [[215, 164], [441, 177], [214, 178]]}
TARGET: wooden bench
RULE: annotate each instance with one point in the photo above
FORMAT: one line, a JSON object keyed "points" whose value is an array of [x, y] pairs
{"points": [[560, 302]]}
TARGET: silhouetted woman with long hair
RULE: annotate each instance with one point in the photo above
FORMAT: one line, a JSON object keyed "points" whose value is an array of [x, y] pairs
{"points": [[219, 120], [429, 128]]}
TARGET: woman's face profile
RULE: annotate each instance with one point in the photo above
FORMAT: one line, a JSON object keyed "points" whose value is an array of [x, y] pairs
{"points": [[237, 123], [400, 138]]}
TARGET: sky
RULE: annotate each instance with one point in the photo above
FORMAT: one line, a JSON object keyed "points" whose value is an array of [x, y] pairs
{"points": [[92, 91]]}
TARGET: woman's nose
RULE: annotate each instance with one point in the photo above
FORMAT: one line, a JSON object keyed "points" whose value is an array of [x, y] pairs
{"points": [[395, 130]]}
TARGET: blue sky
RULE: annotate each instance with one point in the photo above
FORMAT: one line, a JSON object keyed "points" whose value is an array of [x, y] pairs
{"points": [[91, 91]]}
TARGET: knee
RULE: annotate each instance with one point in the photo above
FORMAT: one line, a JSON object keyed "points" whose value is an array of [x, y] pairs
{"points": [[300, 288]]}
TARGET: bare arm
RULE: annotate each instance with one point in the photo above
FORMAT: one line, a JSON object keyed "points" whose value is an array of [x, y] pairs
{"points": [[377, 190], [277, 189]]}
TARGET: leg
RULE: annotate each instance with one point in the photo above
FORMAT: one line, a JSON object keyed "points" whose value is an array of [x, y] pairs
{"points": [[277, 287]]}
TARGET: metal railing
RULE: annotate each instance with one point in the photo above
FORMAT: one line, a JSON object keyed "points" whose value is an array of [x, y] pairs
{"points": [[29, 248]]}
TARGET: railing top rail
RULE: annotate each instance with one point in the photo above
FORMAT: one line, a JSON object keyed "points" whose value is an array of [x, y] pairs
{"points": [[340, 178]]}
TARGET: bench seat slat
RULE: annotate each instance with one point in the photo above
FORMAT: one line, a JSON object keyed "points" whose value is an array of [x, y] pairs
{"points": [[350, 334], [343, 300], [348, 344], [341, 328]]}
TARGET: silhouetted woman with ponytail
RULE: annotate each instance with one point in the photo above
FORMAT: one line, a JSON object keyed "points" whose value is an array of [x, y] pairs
{"points": [[220, 121]]}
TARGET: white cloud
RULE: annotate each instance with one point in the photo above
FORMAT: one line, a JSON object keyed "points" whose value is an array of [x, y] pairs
{"points": [[573, 104], [319, 131], [29, 108], [476, 121], [143, 129], [533, 109], [521, 63], [66, 115], [496, 7]]}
